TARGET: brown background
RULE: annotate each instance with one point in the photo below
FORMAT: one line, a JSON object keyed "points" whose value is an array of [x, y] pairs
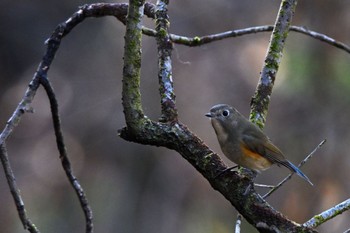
{"points": [[135, 188]]}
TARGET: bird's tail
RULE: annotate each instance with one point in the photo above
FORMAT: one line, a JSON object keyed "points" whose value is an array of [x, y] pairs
{"points": [[295, 169]]}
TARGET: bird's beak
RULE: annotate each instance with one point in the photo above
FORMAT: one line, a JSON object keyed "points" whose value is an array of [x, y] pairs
{"points": [[209, 115]]}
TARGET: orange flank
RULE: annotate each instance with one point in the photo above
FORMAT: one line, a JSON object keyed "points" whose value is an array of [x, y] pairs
{"points": [[251, 154], [253, 160]]}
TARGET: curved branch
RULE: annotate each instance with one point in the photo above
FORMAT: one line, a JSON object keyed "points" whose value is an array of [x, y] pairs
{"points": [[64, 155], [198, 41], [321, 37]]}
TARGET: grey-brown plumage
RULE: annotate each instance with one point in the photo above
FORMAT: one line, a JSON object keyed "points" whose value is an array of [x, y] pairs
{"points": [[244, 143]]}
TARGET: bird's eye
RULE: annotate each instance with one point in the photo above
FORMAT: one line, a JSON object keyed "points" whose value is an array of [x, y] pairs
{"points": [[225, 113]]}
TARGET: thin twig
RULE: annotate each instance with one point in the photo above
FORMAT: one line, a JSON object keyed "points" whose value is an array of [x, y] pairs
{"points": [[300, 165], [53, 44], [198, 41], [264, 186], [321, 37], [11, 180], [328, 214], [238, 223], [119, 10]]}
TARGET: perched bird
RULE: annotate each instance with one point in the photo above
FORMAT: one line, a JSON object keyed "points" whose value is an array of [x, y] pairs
{"points": [[244, 143]]}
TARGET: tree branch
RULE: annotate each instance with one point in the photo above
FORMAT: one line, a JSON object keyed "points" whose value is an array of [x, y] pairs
{"points": [[169, 133], [261, 98], [64, 155], [328, 214], [198, 41], [274, 188], [131, 96], [321, 37], [11, 180], [174, 135], [238, 223], [166, 86]]}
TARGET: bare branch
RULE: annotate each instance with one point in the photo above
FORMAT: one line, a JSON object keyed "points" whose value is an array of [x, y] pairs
{"points": [[198, 41], [238, 223], [169, 133], [11, 180], [131, 96], [166, 86], [119, 10], [261, 98], [264, 186], [174, 135], [321, 37], [328, 214], [300, 165]]}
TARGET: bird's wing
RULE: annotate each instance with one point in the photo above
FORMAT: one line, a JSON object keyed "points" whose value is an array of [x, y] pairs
{"points": [[259, 143]]}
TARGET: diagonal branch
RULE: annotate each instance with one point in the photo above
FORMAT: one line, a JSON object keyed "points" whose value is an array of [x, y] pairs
{"points": [[261, 98], [174, 135], [274, 188], [321, 37], [328, 214], [171, 133]]}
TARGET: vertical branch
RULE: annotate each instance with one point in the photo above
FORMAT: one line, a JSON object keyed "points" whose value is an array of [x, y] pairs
{"points": [[11, 180], [261, 98], [131, 96], [165, 46]]}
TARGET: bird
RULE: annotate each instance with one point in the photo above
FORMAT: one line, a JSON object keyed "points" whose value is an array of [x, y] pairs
{"points": [[244, 143]]}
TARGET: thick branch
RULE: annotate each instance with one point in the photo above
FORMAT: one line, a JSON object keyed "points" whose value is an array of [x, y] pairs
{"points": [[174, 135], [235, 188]]}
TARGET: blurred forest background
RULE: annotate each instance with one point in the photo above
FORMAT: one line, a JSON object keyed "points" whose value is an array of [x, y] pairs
{"points": [[135, 188]]}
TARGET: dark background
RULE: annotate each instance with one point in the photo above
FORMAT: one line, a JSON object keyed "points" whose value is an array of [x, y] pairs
{"points": [[136, 188]]}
